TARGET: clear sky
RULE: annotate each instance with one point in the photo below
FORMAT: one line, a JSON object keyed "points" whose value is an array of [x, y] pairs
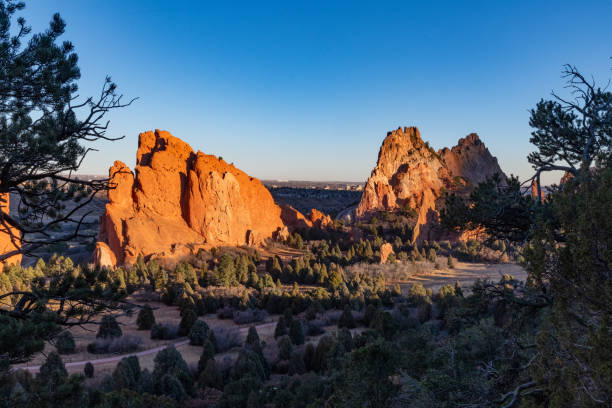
{"points": [[307, 90]]}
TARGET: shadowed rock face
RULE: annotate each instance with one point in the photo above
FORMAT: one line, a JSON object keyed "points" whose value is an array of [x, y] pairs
{"points": [[178, 201], [410, 174]]}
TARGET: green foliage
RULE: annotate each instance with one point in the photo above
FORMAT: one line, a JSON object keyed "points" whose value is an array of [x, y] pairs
{"points": [[365, 380], [169, 362], [65, 343], [43, 128], [88, 370], [483, 209], [53, 370], [170, 386], [210, 375], [126, 374], [450, 262], [285, 348], [252, 337], [281, 327], [248, 364], [19, 339], [109, 328], [146, 318], [346, 319], [188, 319], [574, 357], [296, 332], [199, 333], [208, 353]]}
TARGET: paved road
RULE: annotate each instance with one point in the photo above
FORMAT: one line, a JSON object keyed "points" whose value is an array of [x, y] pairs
{"points": [[183, 341]]}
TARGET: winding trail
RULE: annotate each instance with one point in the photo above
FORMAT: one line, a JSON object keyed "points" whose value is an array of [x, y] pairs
{"points": [[106, 360]]}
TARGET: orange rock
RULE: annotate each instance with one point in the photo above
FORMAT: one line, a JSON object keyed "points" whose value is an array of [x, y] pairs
{"points": [[10, 238], [410, 174], [180, 201], [103, 256], [386, 249], [319, 219], [294, 219]]}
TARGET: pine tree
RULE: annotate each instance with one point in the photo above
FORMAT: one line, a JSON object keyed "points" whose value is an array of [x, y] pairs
{"points": [[146, 318], [65, 343], [187, 321], [88, 370], [285, 348], [346, 319], [281, 327], [109, 328], [296, 332], [208, 352]]}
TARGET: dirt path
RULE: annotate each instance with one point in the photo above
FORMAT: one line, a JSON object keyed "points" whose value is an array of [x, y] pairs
{"points": [[155, 350]]}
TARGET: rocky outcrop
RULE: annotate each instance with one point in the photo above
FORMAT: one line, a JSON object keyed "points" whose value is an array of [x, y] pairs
{"points": [[386, 249], [319, 219], [103, 256], [410, 174], [178, 201], [9, 236], [470, 160]]}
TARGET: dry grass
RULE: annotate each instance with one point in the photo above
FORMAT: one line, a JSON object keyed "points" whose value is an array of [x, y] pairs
{"points": [[405, 273]]}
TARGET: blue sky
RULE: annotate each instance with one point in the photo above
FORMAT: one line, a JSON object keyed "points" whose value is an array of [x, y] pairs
{"points": [[308, 90]]}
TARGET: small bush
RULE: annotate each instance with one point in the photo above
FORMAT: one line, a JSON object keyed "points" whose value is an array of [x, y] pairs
{"points": [[146, 318], [225, 313], [65, 343], [315, 327], [164, 331], [226, 339], [250, 316], [450, 262], [115, 345], [88, 370], [199, 333]]}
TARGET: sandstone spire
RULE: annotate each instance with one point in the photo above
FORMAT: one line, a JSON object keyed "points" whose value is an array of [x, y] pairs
{"points": [[410, 174]]}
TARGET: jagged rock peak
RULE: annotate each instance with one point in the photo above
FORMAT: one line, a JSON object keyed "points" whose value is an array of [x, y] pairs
{"points": [[410, 174]]}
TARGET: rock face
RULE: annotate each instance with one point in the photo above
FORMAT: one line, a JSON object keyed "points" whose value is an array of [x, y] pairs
{"points": [[386, 249], [178, 201], [103, 256], [410, 174], [9, 236], [318, 219]]}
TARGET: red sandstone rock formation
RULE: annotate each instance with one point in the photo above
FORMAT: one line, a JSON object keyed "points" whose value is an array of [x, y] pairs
{"points": [[410, 174], [318, 219], [104, 256], [178, 201], [386, 249], [9, 236]]}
